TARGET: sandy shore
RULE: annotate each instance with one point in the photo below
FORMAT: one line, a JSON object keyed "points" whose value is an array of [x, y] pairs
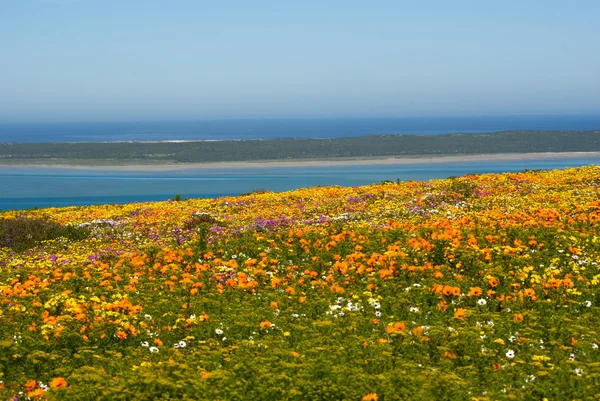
{"points": [[426, 159]]}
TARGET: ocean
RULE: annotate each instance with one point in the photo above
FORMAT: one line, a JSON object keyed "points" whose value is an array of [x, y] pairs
{"points": [[28, 187], [285, 128]]}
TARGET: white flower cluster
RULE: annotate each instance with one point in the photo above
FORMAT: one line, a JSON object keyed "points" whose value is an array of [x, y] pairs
{"points": [[375, 304], [220, 332], [102, 222], [342, 306]]}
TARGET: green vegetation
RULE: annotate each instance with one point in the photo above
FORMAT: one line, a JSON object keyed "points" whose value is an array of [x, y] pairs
{"points": [[23, 233], [482, 287], [286, 149]]}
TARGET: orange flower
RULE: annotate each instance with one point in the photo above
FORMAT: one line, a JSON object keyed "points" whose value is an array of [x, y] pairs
{"points": [[30, 385], [265, 324], [518, 317], [442, 305], [494, 282], [395, 327], [370, 397], [475, 292], [417, 331], [447, 290], [460, 313], [529, 292], [158, 342], [58, 382], [37, 393]]}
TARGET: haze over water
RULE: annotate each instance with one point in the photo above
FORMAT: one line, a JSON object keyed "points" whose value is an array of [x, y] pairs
{"points": [[286, 128]]}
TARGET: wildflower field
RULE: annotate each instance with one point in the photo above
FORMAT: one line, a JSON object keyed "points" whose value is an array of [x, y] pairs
{"points": [[470, 288]]}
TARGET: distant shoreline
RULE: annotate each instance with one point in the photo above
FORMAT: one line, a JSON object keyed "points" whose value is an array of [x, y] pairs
{"points": [[306, 151], [331, 162]]}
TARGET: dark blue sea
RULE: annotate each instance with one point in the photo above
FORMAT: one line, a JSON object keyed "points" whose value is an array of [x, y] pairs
{"points": [[285, 128], [28, 187]]}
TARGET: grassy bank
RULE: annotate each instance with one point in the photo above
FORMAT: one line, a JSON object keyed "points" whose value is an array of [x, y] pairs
{"points": [[478, 287]]}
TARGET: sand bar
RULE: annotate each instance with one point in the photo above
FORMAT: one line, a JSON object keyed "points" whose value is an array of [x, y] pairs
{"points": [[399, 160]]}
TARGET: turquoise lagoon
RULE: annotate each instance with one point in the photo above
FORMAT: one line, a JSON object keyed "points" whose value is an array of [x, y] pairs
{"points": [[29, 187]]}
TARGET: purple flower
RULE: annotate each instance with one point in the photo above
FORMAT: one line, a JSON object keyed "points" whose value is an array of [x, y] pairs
{"points": [[217, 230]]}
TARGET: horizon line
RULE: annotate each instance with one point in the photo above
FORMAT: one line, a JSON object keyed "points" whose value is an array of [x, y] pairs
{"points": [[297, 118]]}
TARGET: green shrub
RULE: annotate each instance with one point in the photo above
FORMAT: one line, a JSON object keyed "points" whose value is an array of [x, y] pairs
{"points": [[23, 233], [199, 219], [257, 191]]}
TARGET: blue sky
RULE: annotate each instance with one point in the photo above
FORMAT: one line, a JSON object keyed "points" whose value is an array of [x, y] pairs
{"points": [[116, 60]]}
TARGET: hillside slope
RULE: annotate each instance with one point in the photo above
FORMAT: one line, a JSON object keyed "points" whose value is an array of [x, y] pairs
{"points": [[482, 287]]}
